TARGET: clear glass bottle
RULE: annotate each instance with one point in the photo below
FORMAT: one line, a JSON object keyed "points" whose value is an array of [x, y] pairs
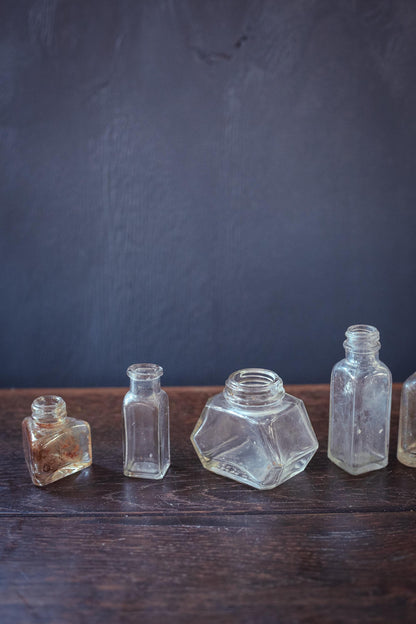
{"points": [[253, 432], [146, 424], [406, 443], [55, 445], [360, 403]]}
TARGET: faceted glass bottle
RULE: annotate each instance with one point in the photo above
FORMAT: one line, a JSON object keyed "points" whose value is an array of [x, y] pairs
{"points": [[406, 444], [55, 445], [146, 424], [360, 403], [253, 432]]}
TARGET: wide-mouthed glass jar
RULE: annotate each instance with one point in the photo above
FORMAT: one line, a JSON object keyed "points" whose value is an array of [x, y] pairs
{"points": [[253, 432]]}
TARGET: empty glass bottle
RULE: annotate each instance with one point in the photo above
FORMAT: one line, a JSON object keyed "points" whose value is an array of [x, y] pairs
{"points": [[360, 402], [55, 445], [253, 432], [146, 424], [406, 444]]}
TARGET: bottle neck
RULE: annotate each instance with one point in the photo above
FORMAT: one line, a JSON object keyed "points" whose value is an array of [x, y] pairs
{"points": [[49, 411], [361, 358], [144, 388], [254, 388], [362, 344], [144, 379]]}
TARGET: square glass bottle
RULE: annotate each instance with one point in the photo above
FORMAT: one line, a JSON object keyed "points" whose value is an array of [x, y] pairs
{"points": [[360, 402], [406, 442], [146, 446], [55, 445]]}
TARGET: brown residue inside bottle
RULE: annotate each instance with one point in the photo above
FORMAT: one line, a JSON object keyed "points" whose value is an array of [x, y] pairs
{"points": [[54, 456]]}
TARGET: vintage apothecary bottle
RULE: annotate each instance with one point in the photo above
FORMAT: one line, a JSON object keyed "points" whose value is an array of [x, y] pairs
{"points": [[360, 403], [253, 432], [146, 424], [406, 443], [55, 445]]}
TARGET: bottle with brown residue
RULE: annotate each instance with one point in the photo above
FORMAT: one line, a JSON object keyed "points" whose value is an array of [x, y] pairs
{"points": [[55, 445]]}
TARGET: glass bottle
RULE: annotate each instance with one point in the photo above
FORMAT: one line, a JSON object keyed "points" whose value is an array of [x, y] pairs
{"points": [[360, 402], [146, 424], [406, 443], [55, 445], [253, 432]]}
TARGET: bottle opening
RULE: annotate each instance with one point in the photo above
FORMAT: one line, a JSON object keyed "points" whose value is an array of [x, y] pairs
{"points": [[48, 408], [144, 372], [254, 386], [362, 338]]}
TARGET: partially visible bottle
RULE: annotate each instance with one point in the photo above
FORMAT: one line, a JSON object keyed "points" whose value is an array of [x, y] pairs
{"points": [[55, 445], [360, 403], [146, 446], [406, 444]]}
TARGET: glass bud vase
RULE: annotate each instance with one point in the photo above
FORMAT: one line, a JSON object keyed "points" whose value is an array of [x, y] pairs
{"points": [[253, 432], [406, 444], [146, 424], [360, 403], [55, 445]]}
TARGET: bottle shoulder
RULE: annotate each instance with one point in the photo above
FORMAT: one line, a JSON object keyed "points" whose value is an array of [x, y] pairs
{"points": [[159, 400], [218, 402], [35, 432], [352, 370], [130, 397], [410, 382]]}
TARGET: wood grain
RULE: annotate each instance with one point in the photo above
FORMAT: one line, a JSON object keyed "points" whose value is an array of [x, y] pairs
{"points": [[99, 547], [318, 568]]}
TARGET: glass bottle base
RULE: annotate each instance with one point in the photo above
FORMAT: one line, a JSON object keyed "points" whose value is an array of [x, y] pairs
{"points": [[65, 471], [279, 476], [406, 458], [145, 470], [362, 467]]}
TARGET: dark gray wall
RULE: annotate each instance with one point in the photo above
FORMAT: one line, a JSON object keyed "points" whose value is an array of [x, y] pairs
{"points": [[204, 184]]}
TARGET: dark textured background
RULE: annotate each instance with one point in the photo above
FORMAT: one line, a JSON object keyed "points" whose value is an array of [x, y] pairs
{"points": [[206, 185]]}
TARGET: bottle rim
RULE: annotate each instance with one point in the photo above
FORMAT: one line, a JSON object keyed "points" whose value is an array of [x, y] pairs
{"points": [[144, 371], [362, 338], [254, 387], [48, 408]]}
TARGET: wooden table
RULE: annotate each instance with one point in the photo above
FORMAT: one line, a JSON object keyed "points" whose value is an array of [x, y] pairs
{"points": [[196, 547]]}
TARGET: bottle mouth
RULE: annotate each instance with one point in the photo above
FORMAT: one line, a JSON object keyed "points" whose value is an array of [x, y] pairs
{"points": [[144, 372], [362, 338], [48, 408], [254, 387]]}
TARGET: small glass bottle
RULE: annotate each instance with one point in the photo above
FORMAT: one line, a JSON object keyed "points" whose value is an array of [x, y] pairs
{"points": [[360, 403], [406, 443], [146, 424], [253, 432], [55, 445]]}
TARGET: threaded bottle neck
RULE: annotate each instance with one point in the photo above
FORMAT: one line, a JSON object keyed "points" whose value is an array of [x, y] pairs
{"points": [[254, 387], [362, 341], [49, 410]]}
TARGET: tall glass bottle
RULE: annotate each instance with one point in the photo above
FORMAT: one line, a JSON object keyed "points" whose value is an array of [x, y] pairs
{"points": [[146, 424], [55, 445], [360, 402], [406, 443]]}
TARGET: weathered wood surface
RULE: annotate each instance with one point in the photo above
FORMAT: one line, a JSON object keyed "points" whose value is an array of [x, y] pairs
{"points": [[99, 547]]}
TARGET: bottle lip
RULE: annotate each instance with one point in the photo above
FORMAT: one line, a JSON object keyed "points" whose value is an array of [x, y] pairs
{"points": [[362, 338], [254, 387], [144, 371], [48, 408]]}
